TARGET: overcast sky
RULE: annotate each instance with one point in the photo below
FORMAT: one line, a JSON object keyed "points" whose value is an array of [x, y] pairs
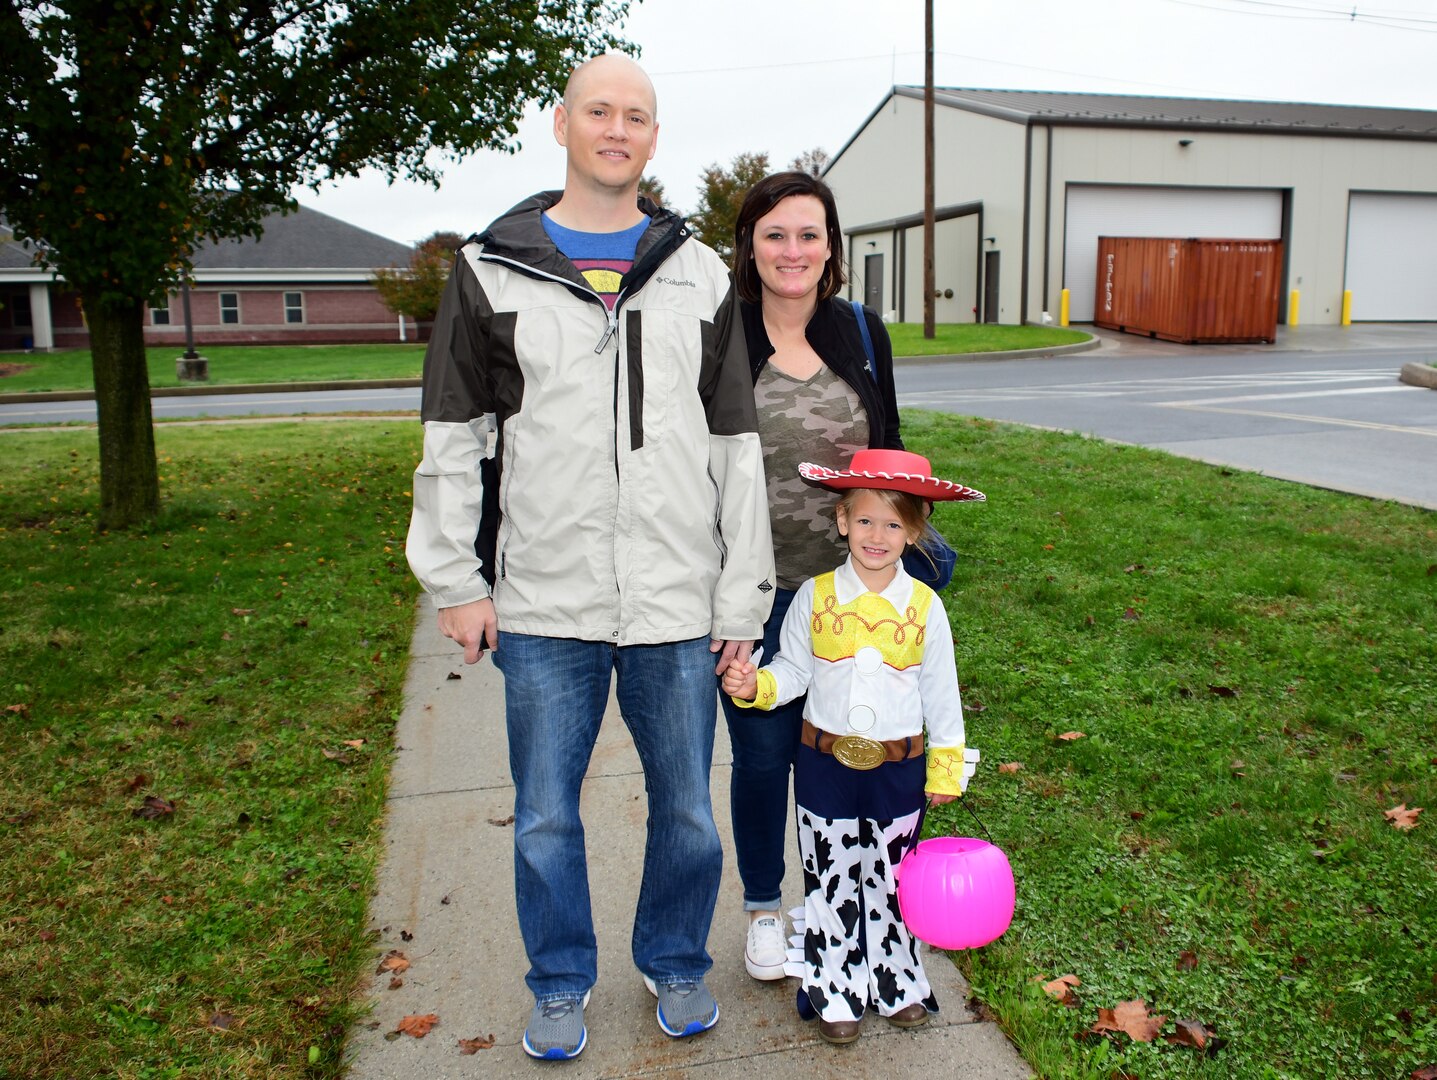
{"points": [[784, 76]]}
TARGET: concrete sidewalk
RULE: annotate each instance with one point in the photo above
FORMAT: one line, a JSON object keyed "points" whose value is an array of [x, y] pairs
{"points": [[445, 900]]}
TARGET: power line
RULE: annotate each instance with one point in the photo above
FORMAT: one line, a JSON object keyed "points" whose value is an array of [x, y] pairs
{"points": [[1306, 13]]}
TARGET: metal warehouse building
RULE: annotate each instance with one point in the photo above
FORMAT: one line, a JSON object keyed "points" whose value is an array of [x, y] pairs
{"points": [[1026, 182]]}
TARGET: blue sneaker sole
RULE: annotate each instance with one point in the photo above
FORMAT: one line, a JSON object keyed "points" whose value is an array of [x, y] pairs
{"points": [[695, 1027], [557, 1053]]}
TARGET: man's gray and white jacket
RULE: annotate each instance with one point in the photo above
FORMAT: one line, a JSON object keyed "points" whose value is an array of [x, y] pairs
{"points": [[630, 497]]}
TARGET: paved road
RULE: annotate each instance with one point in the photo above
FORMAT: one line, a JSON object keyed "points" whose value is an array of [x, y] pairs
{"points": [[1327, 416], [1323, 406], [277, 404]]}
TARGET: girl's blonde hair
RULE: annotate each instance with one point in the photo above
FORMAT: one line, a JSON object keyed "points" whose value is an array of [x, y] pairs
{"points": [[912, 511]]}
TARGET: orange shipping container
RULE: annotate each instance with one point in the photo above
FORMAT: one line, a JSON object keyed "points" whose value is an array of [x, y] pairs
{"points": [[1189, 290]]}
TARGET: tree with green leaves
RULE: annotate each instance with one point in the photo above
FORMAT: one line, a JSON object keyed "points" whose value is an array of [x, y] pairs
{"points": [[132, 130], [415, 290], [721, 193]]}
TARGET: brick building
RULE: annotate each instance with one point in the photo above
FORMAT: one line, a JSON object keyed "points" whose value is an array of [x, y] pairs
{"points": [[306, 280]]}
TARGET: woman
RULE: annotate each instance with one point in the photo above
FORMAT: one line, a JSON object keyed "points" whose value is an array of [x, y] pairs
{"points": [[818, 400]]}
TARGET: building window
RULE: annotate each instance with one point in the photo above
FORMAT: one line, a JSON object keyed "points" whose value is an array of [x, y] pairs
{"points": [[229, 307], [294, 307], [160, 313], [20, 310]]}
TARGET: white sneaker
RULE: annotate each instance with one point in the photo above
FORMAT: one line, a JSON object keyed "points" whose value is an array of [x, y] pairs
{"points": [[765, 951]]}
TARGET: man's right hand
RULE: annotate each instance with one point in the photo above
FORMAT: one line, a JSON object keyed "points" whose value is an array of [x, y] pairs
{"points": [[473, 625]]}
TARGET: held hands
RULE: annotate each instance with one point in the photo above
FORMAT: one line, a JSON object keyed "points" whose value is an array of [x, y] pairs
{"points": [[938, 800], [473, 625], [729, 651], [740, 680]]}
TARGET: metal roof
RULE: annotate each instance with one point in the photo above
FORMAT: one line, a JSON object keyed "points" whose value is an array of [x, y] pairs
{"points": [[1128, 110]]}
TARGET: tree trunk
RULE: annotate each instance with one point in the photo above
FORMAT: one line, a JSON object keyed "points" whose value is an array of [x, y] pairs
{"points": [[129, 476]]}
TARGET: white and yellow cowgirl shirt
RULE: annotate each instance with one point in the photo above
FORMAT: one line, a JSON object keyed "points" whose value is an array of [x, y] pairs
{"points": [[878, 665]]}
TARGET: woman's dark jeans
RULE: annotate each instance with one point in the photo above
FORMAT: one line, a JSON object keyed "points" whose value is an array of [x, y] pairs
{"points": [[764, 747]]}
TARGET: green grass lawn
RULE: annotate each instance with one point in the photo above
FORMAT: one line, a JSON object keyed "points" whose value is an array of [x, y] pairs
{"points": [[1249, 661], [908, 339], [243, 661], [1251, 665], [230, 365]]}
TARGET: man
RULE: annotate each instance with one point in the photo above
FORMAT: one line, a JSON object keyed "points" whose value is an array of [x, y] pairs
{"points": [[589, 417]]}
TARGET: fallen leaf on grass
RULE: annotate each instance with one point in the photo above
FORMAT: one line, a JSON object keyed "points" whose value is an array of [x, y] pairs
{"points": [[1401, 817], [355, 743], [22, 710], [242, 611], [1061, 989], [220, 1022], [394, 961], [1130, 614], [1187, 960], [1132, 1019], [1069, 736], [153, 807], [1010, 766], [1427, 1072], [1192, 1033], [138, 782], [473, 1046], [336, 755], [1222, 691], [416, 1025]]}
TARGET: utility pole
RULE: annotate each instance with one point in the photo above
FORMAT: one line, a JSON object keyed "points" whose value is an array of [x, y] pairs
{"points": [[928, 283]]}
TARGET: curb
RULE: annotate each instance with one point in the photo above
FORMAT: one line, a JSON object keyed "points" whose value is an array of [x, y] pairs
{"points": [[1093, 342], [1418, 375], [390, 384], [237, 388]]}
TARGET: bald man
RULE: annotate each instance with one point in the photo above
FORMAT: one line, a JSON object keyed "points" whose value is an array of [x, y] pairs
{"points": [[590, 505]]}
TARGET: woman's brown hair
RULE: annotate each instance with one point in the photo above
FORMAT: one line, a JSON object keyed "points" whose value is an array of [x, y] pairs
{"points": [[762, 198]]}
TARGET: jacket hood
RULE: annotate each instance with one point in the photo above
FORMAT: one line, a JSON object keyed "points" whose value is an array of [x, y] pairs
{"points": [[518, 234]]}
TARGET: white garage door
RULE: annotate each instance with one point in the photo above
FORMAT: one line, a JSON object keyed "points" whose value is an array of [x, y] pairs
{"points": [[1094, 211], [1392, 257]]}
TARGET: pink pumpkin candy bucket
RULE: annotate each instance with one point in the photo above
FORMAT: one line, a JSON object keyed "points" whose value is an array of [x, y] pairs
{"points": [[956, 892]]}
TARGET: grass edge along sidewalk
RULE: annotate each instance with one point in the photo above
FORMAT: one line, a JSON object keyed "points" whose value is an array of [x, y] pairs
{"points": [[1197, 693], [236, 366]]}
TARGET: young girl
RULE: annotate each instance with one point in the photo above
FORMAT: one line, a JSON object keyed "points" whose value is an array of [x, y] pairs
{"points": [[873, 650]]}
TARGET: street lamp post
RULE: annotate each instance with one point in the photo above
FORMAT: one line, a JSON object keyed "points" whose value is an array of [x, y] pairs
{"points": [[191, 367]]}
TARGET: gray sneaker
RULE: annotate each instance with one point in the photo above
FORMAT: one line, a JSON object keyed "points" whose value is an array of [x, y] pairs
{"points": [[556, 1029], [685, 1008]]}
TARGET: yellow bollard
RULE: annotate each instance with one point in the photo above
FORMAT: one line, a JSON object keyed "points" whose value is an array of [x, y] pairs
{"points": [[1292, 306], [1063, 309], [1347, 307]]}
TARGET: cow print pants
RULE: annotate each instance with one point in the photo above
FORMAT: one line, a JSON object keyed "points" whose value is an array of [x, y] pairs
{"points": [[857, 952]]}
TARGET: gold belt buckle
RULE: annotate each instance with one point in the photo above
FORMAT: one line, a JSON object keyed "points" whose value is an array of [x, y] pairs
{"points": [[857, 752]]}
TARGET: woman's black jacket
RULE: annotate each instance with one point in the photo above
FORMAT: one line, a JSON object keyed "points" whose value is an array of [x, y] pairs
{"points": [[833, 333]]}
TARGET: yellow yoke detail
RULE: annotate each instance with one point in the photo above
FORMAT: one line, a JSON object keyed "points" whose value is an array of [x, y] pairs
{"points": [[839, 630]]}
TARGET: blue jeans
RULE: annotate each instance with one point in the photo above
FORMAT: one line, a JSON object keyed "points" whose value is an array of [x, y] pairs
{"points": [[555, 691], [764, 747]]}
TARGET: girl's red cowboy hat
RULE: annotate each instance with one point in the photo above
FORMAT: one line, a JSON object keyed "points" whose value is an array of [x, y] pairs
{"points": [[892, 470]]}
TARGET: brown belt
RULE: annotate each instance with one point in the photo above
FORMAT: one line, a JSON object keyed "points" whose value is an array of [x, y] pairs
{"points": [[893, 749]]}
